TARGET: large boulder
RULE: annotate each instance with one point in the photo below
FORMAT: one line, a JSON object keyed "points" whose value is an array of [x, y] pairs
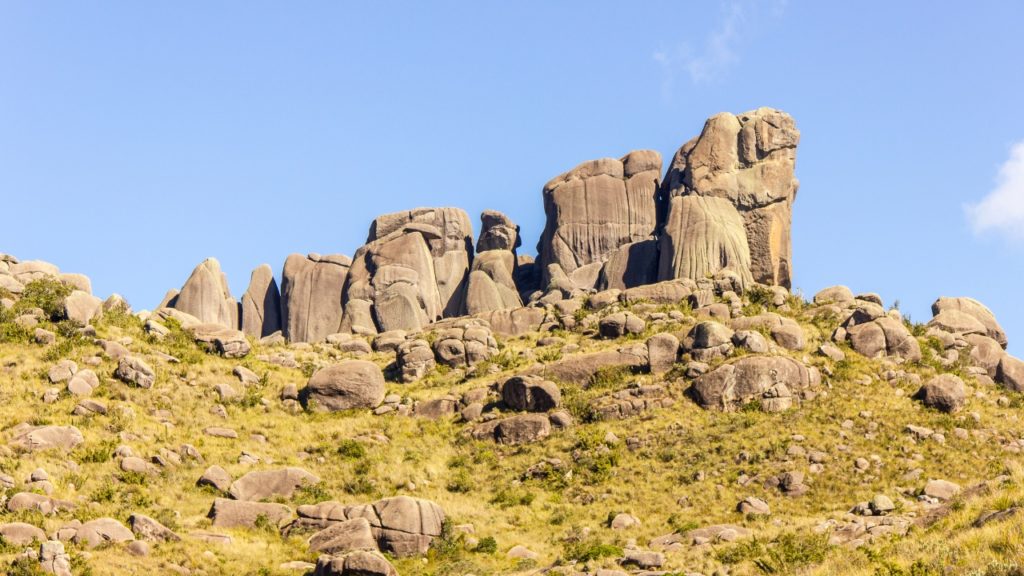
{"points": [[227, 342], [269, 484], [227, 513], [514, 322], [32, 438], [771, 381], [414, 359], [594, 209], [206, 296], [21, 534], [747, 160], [530, 393], [350, 384], [261, 304], [311, 296], [467, 343], [518, 429], [135, 371], [82, 307], [360, 563], [976, 310], [874, 334], [101, 531], [344, 536], [1010, 373], [412, 270], [944, 392], [406, 526]]}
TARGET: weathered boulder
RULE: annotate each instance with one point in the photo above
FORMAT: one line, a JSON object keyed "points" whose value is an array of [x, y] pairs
{"points": [[227, 342], [975, 309], [519, 429], [594, 209], [747, 160], [311, 296], [414, 359], [621, 324], [662, 352], [515, 322], [268, 484], [133, 370], [344, 536], [21, 534], [497, 232], [101, 531], [944, 392], [227, 513], [32, 438], [358, 563], [880, 336], [581, 368], [785, 331], [215, 477], [467, 343], [491, 284], [834, 295], [530, 393], [82, 307], [146, 528], [205, 295], [350, 384], [261, 304], [1010, 373], [405, 526], [772, 381], [412, 270]]}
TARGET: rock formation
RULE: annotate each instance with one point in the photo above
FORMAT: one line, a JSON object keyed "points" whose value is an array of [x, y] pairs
{"points": [[595, 209], [412, 270], [747, 160], [311, 288], [492, 284], [261, 304], [206, 296]]}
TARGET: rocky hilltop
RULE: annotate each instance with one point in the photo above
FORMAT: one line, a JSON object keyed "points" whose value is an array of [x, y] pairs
{"points": [[645, 397]]}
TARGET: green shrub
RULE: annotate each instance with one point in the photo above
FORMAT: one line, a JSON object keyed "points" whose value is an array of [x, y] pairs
{"points": [[47, 294], [350, 449], [487, 545], [589, 549], [509, 497]]}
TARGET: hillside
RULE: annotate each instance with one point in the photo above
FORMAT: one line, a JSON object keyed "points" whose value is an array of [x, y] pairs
{"points": [[658, 481], [646, 396]]}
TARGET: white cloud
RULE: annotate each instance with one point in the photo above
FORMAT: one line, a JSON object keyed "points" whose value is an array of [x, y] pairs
{"points": [[720, 49], [1002, 210], [716, 55]]}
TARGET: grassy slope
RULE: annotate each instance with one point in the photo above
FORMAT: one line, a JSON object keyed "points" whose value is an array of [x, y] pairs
{"points": [[479, 483]]}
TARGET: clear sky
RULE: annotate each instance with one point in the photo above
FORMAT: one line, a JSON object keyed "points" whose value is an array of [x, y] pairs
{"points": [[137, 138]]}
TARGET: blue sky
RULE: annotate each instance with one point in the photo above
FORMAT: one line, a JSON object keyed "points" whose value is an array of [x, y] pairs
{"points": [[138, 138]]}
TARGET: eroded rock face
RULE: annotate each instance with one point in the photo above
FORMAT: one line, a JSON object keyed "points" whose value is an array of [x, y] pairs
{"points": [[594, 209], [702, 236], [976, 311], [772, 381], [311, 289], [747, 160], [261, 304], [206, 296], [412, 270]]}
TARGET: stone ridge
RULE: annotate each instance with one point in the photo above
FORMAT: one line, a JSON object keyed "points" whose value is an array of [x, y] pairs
{"points": [[724, 205]]}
